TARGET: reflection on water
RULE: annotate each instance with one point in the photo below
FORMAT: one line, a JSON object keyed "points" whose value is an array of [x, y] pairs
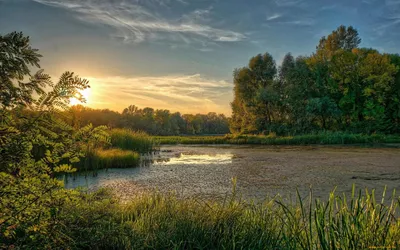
{"points": [[167, 165], [196, 159]]}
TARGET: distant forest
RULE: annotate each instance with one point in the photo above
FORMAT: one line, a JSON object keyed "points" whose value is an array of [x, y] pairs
{"points": [[154, 122], [340, 87]]}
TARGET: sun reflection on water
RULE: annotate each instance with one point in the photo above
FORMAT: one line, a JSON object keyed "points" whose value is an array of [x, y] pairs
{"points": [[195, 159]]}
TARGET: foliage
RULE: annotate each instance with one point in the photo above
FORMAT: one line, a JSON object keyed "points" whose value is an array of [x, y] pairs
{"points": [[35, 143], [154, 122], [339, 88]]}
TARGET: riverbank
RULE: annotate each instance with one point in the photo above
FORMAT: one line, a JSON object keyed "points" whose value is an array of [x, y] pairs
{"points": [[311, 139]]}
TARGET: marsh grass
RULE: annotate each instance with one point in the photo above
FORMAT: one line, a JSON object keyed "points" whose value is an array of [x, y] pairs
{"points": [[327, 138], [108, 158], [191, 139], [162, 221], [130, 140]]}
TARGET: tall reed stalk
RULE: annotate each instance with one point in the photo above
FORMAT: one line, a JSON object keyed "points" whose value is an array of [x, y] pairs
{"points": [[130, 140]]}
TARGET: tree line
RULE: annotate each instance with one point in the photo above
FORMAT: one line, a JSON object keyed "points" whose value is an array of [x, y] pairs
{"points": [[340, 87], [154, 122]]}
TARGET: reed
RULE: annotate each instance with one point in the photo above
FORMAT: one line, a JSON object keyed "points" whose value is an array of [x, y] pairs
{"points": [[108, 158], [160, 221], [327, 138], [164, 221], [130, 140]]}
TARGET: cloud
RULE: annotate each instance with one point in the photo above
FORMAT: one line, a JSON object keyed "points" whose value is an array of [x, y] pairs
{"points": [[381, 29], [288, 3], [300, 22], [183, 93], [273, 17], [137, 22], [329, 7]]}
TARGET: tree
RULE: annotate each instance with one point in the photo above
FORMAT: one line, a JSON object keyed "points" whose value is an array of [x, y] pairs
{"points": [[345, 38], [322, 110], [393, 99], [16, 56], [339, 87], [254, 94], [34, 144]]}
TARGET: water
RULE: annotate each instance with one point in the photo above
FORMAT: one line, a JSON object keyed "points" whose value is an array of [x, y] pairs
{"points": [[260, 171]]}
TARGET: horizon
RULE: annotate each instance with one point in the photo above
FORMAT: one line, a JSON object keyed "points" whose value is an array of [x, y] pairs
{"points": [[180, 55]]}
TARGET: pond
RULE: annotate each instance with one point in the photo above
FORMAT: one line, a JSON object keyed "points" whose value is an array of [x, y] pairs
{"points": [[260, 171]]}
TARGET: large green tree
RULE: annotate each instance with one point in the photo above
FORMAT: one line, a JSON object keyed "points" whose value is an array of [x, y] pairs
{"points": [[255, 95], [339, 87]]}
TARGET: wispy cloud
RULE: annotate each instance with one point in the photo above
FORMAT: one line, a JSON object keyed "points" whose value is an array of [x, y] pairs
{"points": [[184, 93], [273, 17], [300, 22], [288, 2], [388, 21], [381, 29], [135, 22], [328, 7]]}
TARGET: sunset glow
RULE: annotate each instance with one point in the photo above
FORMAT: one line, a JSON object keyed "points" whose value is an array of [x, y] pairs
{"points": [[85, 94]]}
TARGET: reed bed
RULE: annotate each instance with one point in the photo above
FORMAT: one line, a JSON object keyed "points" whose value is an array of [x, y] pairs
{"points": [[320, 138], [108, 158], [130, 140], [159, 221], [191, 139]]}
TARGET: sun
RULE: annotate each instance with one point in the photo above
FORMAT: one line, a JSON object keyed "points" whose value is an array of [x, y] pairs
{"points": [[85, 94]]}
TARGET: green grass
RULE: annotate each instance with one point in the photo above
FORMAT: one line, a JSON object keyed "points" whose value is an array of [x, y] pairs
{"points": [[191, 139], [327, 138], [157, 221], [130, 140], [108, 158], [126, 147]]}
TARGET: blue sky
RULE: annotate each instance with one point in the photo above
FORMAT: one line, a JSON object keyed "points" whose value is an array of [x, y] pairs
{"points": [[180, 54]]}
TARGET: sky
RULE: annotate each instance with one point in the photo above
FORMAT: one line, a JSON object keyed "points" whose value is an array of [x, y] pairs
{"points": [[180, 54]]}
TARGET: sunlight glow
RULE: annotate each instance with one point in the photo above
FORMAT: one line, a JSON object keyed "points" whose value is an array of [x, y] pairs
{"points": [[198, 159], [85, 94]]}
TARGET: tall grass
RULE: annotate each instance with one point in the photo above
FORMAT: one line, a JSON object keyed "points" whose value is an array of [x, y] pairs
{"points": [[130, 140], [157, 221], [328, 138], [191, 139], [108, 158]]}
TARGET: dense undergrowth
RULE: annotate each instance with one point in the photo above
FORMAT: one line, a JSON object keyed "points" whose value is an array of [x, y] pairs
{"points": [[157, 221], [327, 138]]}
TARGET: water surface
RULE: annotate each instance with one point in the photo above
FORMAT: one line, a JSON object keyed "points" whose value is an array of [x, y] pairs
{"points": [[260, 171]]}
